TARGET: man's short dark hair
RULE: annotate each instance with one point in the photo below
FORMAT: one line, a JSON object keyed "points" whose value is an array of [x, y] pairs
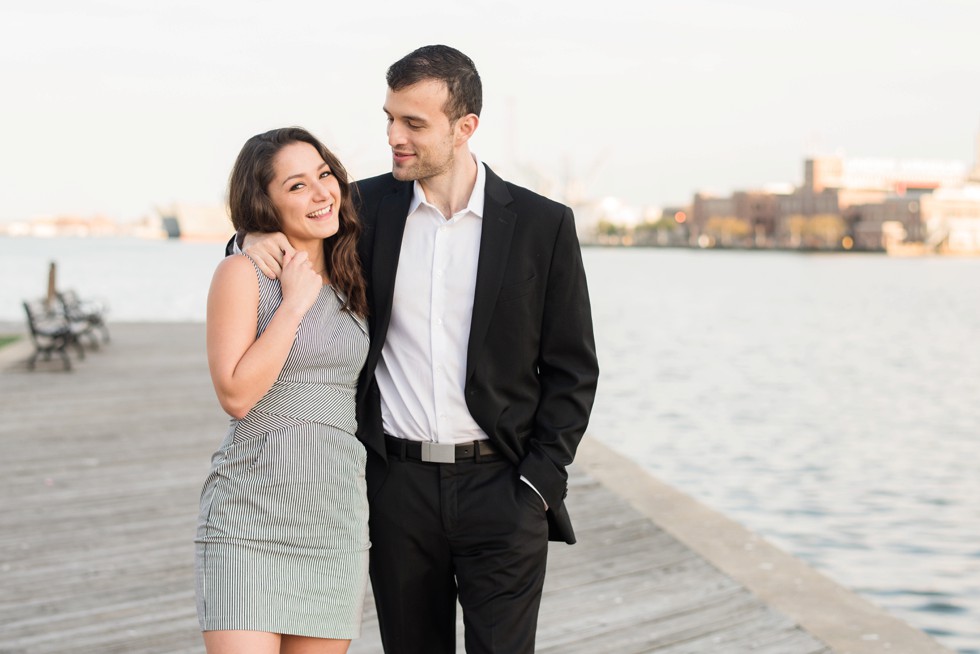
{"points": [[448, 65]]}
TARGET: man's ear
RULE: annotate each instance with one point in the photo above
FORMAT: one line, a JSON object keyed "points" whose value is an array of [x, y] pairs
{"points": [[465, 127]]}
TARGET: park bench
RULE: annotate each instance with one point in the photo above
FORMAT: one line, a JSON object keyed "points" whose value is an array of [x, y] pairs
{"points": [[52, 333], [89, 314]]}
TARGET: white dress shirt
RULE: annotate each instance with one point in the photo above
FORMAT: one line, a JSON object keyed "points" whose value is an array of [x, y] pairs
{"points": [[422, 370]]}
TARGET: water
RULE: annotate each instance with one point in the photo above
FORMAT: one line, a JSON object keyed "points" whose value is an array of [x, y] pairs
{"points": [[141, 280], [828, 403]]}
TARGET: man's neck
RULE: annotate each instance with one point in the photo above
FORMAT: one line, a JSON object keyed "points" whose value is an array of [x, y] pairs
{"points": [[450, 192]]}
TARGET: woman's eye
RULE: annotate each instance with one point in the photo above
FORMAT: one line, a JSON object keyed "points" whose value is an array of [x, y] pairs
{"points": [[325, 174], [296, 187]]}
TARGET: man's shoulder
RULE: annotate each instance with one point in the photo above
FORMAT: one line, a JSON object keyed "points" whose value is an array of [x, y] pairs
{"points": [[523, 200], [526, 195], [522, 196]]}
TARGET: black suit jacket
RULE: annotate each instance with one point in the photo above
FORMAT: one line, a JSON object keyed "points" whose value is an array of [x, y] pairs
{"points": [[531, 367]]}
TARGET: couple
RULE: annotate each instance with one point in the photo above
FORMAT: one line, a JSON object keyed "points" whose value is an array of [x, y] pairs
{"points": [[425, 356]]}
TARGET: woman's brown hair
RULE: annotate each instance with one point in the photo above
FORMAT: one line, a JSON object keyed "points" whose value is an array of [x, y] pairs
{"points": [[252, 209]]}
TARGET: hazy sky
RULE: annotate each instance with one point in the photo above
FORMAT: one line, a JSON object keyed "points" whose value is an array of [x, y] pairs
{"points": [[115, 106]]}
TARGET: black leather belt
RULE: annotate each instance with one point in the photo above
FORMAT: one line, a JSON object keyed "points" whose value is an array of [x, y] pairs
{"points": [[441, 452]]}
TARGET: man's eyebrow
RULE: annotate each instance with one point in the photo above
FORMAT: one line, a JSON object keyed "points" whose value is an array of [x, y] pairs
{"points": [[417, 119]]}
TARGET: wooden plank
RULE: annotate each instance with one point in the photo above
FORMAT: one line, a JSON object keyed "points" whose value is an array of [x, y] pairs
{"points": [[100, 483]]}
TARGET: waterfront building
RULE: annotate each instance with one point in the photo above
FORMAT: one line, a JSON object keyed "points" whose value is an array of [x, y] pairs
{"points": [[195, 221], [848, 203], [893, 219], [951, 216], [61, 225], [863, 177], [67, 226]]}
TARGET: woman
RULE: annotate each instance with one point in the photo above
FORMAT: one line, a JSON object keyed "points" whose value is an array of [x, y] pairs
{"points": [[282, 539]]}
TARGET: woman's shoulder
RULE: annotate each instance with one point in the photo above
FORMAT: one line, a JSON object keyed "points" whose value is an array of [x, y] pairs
{"points": [[237, 270], [238, 264]]}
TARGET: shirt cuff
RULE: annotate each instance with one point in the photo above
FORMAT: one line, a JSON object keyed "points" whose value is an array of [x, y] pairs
{"points": [[525, 480]]}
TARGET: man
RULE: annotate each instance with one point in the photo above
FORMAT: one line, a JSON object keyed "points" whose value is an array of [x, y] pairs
{"points": [[480, 378]]}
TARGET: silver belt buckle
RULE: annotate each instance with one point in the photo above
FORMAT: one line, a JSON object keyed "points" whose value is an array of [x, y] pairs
{"points": [[438, 452]]}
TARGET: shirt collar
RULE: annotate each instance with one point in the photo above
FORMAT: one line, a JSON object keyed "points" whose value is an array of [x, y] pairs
{"points": [[477, 197]]}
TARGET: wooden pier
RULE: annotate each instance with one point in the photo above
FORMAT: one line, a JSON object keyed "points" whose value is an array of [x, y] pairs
{"points": [[99, 483]]}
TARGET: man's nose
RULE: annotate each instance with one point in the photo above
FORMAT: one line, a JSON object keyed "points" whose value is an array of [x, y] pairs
{"points": [[396, 134]]}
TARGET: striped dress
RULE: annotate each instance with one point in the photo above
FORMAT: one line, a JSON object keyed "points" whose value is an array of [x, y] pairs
{"points": [[282, 538]]}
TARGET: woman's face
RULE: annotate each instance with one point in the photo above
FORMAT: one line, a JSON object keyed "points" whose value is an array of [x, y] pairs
{"points": [[305, 193]]}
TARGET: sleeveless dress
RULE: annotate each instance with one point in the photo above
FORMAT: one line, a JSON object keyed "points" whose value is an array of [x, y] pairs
{"points": [[282, 538]]}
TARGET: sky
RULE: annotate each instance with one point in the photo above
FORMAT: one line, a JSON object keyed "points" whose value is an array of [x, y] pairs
{"points": [[116, 107]]}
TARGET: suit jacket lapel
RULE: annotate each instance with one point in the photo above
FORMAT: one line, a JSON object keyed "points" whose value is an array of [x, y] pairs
{"points": [[389, 228], [498, 228]]}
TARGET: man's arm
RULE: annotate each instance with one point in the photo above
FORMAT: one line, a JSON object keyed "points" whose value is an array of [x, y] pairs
{"points": [[267, 250], [568, 369]]}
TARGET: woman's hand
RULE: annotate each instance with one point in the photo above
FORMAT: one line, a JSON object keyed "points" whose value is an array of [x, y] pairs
{"points": [[301, 284]]}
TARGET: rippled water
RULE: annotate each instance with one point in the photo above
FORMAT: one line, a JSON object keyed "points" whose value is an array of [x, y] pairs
{"points": [[829, 403]]}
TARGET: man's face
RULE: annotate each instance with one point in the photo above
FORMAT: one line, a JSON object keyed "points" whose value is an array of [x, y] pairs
{"points": [[421, 137]]}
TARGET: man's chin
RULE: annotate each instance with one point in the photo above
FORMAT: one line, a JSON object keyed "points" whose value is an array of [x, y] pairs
{"points": [[403, 174]]}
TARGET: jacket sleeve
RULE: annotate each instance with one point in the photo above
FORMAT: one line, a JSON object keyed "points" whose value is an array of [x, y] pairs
{"points": [[568, 369], [234, 245]]}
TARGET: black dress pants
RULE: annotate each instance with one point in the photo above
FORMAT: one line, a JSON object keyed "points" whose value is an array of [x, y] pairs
{"points": [[468, 529]]}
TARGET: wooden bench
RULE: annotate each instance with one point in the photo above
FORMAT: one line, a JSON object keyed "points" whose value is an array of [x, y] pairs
{"points": [[52, 333], [89, 315]]}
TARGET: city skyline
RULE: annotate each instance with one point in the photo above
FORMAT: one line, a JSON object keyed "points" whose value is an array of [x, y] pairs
{"points": [[114, 109]]}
